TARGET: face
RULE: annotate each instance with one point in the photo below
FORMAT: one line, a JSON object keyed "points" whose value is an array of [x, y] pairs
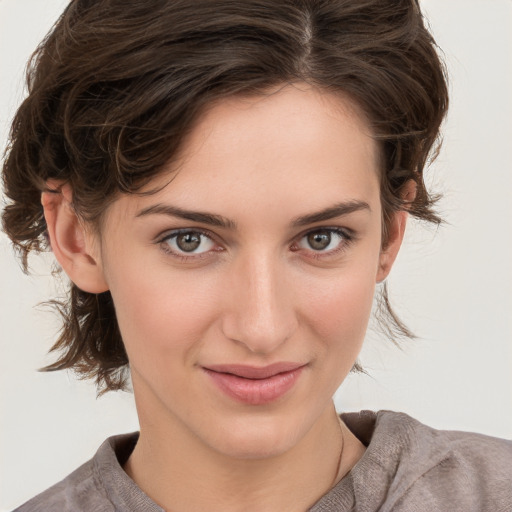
{"points": [[244, 286]]}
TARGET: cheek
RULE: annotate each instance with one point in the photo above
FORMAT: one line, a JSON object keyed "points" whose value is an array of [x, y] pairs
{"points": [[339, 317], [339, 304], [343, 308], [160, 313]]}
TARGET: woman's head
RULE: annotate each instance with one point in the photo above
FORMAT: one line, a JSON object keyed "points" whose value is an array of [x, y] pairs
{"points": [[258, 252], [118, 87]]}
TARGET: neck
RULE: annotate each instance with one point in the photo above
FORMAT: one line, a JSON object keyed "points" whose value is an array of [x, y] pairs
{"points": [[181, 473]]}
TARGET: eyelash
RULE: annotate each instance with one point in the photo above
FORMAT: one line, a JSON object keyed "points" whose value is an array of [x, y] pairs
{"points": [[183, 256], [345, 234]]}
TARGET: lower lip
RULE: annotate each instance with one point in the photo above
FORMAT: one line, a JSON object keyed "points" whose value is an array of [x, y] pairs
{"points": [[255, 391]]}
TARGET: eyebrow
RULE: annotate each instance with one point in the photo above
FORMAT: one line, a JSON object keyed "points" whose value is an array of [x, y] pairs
{"points": [[332, 212], [202, 217]]}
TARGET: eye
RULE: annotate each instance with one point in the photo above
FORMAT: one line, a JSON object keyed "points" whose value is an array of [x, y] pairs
{"points": [[325, 240], [188, 242]]}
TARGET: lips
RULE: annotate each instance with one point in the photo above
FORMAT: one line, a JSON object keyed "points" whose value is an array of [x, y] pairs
{"points": [[255, 385]]}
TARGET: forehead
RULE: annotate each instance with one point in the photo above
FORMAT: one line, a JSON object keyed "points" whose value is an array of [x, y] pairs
{"points": [[294, 147]]}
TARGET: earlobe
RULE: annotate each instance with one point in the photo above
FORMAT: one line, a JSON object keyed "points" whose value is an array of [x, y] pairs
{"points": [[389, 253], [73, 245], [395, 235]]}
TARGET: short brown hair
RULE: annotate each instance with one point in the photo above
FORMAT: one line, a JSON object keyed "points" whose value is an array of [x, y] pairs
{"points": [[117, 84]]}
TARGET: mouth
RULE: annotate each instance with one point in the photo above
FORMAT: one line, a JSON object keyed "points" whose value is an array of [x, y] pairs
{"points": [[255, 385]]}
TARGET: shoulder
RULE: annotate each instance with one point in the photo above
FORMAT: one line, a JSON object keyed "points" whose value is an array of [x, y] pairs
{"points": [[423, 468], [100, 484], [78, 491], [432, 444]]}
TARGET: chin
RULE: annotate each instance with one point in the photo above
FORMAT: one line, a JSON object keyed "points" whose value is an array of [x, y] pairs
{"points": [[252, 439], [254, 448]]}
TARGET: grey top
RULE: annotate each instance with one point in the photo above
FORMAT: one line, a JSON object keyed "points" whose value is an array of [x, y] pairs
{"points": [[407, 467]]}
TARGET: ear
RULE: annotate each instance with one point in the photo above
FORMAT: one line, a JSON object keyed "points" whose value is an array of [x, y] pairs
{"points": [[395, 234], [75, 247]]}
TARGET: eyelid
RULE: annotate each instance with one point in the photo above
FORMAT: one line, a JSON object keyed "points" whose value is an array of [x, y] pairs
{"points": [[347, 234], [169, 233], [173, 233], [343, 231]]}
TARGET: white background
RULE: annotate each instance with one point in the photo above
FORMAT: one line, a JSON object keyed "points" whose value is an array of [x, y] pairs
{"points": [[453, 287]]}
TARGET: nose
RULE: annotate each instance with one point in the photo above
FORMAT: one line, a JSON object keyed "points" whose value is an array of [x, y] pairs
{"points": [[260, 311]]}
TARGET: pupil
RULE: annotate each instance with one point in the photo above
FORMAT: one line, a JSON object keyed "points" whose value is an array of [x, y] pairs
{"points": [[188, 242], [319, 240]]}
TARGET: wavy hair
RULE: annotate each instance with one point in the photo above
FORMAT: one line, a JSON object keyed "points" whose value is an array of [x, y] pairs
{"points": [[117, 84]]}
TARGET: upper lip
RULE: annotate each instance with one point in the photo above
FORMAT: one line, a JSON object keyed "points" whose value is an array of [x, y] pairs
{"points": [[254, 372]]}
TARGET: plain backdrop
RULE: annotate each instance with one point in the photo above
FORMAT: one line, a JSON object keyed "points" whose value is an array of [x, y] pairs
{"points": [[453, 287]]}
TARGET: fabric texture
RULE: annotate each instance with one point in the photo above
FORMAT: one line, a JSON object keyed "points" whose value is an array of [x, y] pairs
{"points": [[407, 467]]}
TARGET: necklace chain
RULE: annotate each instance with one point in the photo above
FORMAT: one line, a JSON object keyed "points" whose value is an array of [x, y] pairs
{"points": [[338, 466]]}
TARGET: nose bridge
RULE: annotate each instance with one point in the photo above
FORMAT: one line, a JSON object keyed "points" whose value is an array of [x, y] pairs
{"points": [[262, 314]]}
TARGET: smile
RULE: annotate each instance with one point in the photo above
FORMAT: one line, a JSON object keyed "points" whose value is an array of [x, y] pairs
{"points": [[253, 385]]}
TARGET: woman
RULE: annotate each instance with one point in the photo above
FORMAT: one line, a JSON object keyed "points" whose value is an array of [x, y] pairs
{"points": [[224, 183]]}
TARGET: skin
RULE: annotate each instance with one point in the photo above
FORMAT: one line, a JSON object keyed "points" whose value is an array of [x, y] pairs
{"points": [[254, 292]]}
